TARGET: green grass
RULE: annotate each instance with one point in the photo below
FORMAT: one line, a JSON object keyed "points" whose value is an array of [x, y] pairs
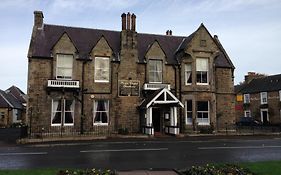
{"points": [[29, 172], [264, 168]]}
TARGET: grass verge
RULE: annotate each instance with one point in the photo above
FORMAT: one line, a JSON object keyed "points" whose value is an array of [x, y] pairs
{"points": [[263, 168]]}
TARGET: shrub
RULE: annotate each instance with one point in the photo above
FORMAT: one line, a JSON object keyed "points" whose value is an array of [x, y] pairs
{"points": [[86, 172], [216, 170], [123, 131]]}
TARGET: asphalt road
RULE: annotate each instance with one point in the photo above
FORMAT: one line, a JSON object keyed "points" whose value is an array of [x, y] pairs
{"points": [[128, 154]]}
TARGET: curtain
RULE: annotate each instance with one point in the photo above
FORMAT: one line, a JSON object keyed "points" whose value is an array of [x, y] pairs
{"points": [[188, 73], [201, 64], [158, 71], [69, 111], [56, 113], [64, 66]]}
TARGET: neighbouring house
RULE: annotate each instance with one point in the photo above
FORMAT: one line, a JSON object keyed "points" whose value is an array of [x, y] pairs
{"points": [[84, 80], [12, 106], [259, 96]]}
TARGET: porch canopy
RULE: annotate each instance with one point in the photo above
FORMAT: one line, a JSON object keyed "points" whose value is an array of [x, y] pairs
{"points": [[165, 99]]}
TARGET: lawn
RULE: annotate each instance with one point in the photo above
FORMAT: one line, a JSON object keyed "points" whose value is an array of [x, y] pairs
{"points": [[264, 168], [29, 172]]}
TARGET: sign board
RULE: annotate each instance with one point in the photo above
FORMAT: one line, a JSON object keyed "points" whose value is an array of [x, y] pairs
{"points": [[129, 88]]}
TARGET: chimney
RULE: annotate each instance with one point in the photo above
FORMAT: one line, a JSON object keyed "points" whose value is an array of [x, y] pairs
{"points": [[169, 32], [123, 17], [128, 21], [253, 75], [133, 22], [38, 19]]}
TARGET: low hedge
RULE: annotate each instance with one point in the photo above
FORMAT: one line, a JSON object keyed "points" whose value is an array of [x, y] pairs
{"points": [[87, 172]]}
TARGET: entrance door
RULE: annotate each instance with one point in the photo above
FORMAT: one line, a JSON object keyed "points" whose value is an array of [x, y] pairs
{"points": [[156, 116], [264, 116]]}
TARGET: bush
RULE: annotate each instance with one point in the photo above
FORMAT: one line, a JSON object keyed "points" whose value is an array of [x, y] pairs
{"points": [[86, 172], [216, 170], [17, 125]]}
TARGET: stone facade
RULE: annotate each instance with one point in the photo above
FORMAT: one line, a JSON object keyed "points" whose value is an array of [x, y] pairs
{"points": [[266, 111], [131, 57]]}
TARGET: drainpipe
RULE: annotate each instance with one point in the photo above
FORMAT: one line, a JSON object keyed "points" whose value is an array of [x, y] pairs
{"points": [[180, 81], [82, 99]]}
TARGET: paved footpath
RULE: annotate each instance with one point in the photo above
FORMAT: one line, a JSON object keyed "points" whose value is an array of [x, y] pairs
{"points": [[146, 172]]}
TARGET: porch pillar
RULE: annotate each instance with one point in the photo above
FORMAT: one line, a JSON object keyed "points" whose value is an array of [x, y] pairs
{"points": [[148, 128], [173, 128]]}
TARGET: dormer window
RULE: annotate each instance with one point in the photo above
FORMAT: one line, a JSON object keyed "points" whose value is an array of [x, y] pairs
{"points": [[102, 69], [64, 66], [202, 68], [155, 71]]}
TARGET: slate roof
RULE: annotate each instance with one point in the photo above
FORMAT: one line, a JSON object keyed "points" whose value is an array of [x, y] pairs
{"points": [[149, 98], [85, 39], [17, 93], [8, 100], [264, 84]]}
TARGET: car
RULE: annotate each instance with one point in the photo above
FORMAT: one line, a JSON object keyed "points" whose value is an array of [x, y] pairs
{"points": [[248, 121]]}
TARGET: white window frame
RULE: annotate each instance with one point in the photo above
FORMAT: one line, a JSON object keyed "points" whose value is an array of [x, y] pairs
{"points": [[94, 113], [155, 71], [201, 71], [186, 73], [62, 111], [263, 96], [63, 67], [280, 95], [202, 112], [247, 98], [247, 111], [187, 122], [99, 79]]}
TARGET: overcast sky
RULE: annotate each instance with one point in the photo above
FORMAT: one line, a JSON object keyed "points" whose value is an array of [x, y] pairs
{"points": [[250, 30]]}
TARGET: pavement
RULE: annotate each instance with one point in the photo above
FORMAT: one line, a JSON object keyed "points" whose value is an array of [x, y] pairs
{"points": [[147, 172]]}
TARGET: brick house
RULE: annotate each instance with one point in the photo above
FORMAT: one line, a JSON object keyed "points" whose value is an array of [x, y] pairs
{"points": [[88, 80], [12, 106], [259, 96]]}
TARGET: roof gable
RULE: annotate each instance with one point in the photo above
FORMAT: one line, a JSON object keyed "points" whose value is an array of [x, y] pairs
{"points": [[154, 47]]}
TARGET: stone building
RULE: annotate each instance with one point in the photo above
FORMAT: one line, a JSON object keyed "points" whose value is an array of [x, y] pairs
{"points": [[12, 106], [259, 96], [91, 80]]}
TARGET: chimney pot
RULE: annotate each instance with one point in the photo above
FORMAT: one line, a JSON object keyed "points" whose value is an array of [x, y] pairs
{"points": [[128, 21], [133, 22], [167, 32], [123, 19], [38, 19], [171, 32]]}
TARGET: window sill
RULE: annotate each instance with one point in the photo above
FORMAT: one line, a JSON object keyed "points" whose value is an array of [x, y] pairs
{"points": [[202, 84], [203, 124], [100, 124], [101, 81]]}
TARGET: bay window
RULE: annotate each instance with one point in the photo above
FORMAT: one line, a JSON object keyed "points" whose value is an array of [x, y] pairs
{"points": [[203, 113], [188, 74], [202, 68], [101, 112], [155, 71], [102, 69], [64, 66], [188, 105], [62, 112]]}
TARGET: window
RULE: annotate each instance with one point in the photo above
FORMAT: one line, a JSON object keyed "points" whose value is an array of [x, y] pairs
{"points": [[246, 98], [202, 67], [2, 115], [203, 43], [263, 97], [188, 105], [62, 112], [280, 95], [203, 113], [155, 71], [188, 74], [64, 66], [102, 69], [247, 113], [101, 112]]}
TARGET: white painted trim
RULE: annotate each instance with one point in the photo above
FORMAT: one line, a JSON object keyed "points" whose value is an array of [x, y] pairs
{"points": [[244, 98], [246, 112], [261, 98], [262, 110]]}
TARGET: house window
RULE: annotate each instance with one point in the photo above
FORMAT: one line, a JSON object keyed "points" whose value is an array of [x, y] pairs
{"points": [[62, 112], [203, 43], [64, 66], [101, 112], [203, 113], [188, 74], [263, 97], [102, 69], [280, 95], [202, 71], [246, 98], [2, 115], [155, 71], [188, 105], [247, 113]]}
